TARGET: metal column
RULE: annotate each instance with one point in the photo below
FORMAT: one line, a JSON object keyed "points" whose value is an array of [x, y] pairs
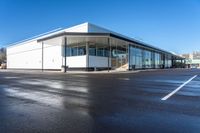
{"points": [[129, 57], [109, 57], [163, 61], [42, 56], [87, 57], [65, 46]]}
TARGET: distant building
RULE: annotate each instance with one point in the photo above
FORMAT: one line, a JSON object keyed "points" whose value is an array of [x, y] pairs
{"points": [[192, 59]]}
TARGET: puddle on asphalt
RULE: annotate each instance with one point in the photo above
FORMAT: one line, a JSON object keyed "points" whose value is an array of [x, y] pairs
{"points": [[11, 77], [124, 79], [45, 97], [52, 84], [169, 81], [77, 89], [55, 85], [34, 96], [81, 76], [52, 100]]}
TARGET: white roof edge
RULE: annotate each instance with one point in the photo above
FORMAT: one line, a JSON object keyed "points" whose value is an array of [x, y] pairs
{"points": [[46, 34]]}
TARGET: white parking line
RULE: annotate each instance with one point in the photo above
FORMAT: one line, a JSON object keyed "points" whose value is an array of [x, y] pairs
{"points": [[173, 92]]}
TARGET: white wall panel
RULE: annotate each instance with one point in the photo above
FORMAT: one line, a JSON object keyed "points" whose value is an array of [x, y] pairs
{"points": [[29, 59], [25, 60], [96, 61], [76, 61], [52, 56], [23, 47], [29, 56]]}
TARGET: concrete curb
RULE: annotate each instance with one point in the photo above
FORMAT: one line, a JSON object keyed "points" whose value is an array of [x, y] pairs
{"points": [[84, 72]]}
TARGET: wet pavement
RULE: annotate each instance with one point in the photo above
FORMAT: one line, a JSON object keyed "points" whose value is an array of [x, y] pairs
{"points": [[99, 103]]}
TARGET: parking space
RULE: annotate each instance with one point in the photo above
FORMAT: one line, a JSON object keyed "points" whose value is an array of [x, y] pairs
{"points": [[96, 103]]}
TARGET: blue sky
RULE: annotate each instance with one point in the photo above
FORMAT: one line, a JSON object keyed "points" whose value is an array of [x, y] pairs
{"points": [[172, 25]]}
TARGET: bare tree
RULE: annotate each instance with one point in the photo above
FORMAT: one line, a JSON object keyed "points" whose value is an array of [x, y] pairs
{"points": [[2, 55]]}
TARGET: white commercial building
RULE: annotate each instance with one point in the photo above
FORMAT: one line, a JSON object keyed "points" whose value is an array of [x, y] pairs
{"points": [[86, 47]]}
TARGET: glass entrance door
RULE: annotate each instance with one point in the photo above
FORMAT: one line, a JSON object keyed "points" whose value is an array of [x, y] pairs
{"points": [[119, 58]]}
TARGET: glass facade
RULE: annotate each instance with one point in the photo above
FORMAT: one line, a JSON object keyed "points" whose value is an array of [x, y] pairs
{"points": [[119, 53], [135, 58], [98, 49], [147, 60], [97, 46], [168, 61], [76, 50], [142, 59], [76, 46], [158, 63]]}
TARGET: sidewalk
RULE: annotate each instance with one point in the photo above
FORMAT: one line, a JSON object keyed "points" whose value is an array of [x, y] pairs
{"points": [[83, 72]]}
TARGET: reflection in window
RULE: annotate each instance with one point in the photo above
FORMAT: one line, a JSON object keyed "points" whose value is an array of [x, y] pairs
{"points": [[76, 51], [81, 50], [92, 50], [157, 60], [135, 57], [147, 59], [98, 50]]}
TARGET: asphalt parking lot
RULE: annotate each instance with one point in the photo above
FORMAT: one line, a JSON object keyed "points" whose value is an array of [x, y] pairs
{"points": [[166, 101]]}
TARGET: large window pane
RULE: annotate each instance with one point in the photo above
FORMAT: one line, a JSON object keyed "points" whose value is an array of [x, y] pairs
{"points": [[92, 50], [157, 60], [135, 57], [147, 59], [98, 46], [74, 51], [81, 50], [119, 54], [76, 46]]}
